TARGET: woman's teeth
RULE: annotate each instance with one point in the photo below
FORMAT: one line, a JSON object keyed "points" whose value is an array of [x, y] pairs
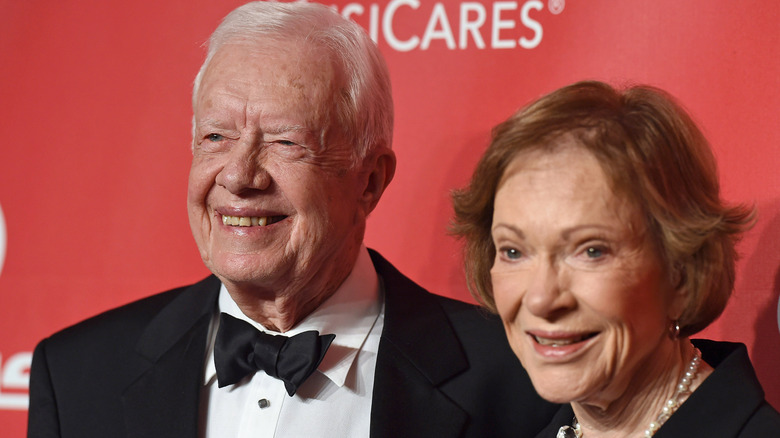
{"points": [[560, 342]]}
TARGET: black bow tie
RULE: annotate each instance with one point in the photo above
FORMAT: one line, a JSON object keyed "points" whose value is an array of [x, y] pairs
{"points": [[240, 350]]}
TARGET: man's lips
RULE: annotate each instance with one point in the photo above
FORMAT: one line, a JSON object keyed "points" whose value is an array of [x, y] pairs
{"points": [[251, 221]]}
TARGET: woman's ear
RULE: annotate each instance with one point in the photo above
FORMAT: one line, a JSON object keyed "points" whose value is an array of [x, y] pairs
{"points": [[680, 292]]}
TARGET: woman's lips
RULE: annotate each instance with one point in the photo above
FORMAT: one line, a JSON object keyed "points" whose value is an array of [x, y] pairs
{"points": [[560, 345]]}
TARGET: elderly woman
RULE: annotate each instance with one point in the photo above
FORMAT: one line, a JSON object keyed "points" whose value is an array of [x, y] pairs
{"points": [[594, 227]]}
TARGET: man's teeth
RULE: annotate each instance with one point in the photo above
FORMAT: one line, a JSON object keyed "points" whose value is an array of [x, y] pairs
{"points": [[560, 342], [245, 221]]}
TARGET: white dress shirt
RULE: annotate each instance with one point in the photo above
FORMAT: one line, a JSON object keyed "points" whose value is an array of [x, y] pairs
{"points": [[335, 401]]}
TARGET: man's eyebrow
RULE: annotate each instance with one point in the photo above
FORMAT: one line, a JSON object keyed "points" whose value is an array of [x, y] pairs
{"points": [[210, 122], [281, 129]]}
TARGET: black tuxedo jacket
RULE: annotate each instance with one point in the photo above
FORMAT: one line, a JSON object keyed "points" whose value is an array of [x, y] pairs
{"points": [[444, 369]]}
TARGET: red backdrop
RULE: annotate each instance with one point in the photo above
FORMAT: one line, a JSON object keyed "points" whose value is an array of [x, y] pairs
{"points": [[95, 118]]}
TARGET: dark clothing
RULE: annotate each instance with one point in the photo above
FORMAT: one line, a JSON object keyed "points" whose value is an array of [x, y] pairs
{"points": [[444, 369], [728, 404]]}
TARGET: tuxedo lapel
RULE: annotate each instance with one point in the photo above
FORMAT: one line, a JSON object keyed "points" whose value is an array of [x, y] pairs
{"points": [[163, 400], [418, 352]]}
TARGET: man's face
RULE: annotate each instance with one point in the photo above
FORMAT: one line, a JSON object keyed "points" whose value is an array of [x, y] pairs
{"points": [[274, 204]]}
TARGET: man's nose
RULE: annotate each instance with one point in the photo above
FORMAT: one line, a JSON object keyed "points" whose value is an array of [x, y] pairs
{"points": [[547, 294], [244, 169]]}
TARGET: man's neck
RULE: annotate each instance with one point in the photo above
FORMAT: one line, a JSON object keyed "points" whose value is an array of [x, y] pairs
{"points": [[279, 313], [282, 308]]}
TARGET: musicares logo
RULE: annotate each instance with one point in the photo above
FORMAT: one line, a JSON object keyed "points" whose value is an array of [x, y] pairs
{"points": [[15, 372], [499, 25], [2, 240], [15, 381]]}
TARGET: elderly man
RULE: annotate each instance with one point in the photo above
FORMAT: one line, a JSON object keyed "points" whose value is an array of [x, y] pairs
{"points": [[291, 152]]}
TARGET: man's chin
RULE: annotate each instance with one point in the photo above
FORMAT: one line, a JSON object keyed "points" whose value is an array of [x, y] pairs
{"points": [[246, 269]]}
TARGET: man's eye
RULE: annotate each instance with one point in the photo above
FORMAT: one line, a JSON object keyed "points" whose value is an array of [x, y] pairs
{"points": [[214, 137], [286, 142]]}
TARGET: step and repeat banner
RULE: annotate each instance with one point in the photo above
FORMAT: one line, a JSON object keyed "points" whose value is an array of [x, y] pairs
{"points": [[95, 148]]}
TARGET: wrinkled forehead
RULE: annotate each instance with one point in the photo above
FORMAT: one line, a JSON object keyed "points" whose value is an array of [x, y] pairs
{"points": [[288, 74], [569, 170], [300, 63], [616, 167], [614, 172]]}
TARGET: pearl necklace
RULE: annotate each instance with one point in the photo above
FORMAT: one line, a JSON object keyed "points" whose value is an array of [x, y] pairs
{"points": [[681, 393]]}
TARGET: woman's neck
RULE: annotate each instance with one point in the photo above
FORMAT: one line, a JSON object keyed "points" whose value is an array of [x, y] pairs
{"points": [[630, 414]]}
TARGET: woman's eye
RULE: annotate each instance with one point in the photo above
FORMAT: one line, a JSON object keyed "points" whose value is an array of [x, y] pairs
{"points": [[286, 142], [214, 137], [512, 253], [595, 252]]}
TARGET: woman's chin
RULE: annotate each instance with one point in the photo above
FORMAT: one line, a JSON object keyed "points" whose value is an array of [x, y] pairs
{"points": [[555, 396], [557, 389]]}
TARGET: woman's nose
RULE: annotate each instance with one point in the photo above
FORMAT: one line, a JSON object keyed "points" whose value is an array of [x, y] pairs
{"points": [[545, 295]]}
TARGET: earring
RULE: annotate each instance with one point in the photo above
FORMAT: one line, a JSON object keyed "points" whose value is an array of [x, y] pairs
{"points": [[674, 330]]}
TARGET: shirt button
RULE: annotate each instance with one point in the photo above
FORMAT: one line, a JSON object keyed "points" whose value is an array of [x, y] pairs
{"points": [[263, 403]]}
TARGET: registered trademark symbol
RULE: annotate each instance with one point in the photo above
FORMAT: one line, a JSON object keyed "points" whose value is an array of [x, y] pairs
{"points": [[556, 6]]}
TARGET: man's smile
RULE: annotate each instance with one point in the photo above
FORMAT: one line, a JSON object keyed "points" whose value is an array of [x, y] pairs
{"points": [[250, 221]]}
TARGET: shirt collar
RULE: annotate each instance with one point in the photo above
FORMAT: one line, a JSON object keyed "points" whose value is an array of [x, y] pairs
{"points": [[350, 313]]}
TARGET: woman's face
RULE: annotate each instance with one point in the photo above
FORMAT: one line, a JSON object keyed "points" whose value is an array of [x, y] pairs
{"points": [[581, 291]]}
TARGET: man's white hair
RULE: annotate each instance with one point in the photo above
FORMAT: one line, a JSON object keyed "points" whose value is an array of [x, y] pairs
{"points": [[364, 109]]}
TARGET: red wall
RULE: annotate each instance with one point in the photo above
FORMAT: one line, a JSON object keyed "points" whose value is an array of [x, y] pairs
{"points": [[95, 122]]}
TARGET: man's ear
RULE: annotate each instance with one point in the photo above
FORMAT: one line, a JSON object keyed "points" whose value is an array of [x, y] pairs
{"points": [[379, 169]]}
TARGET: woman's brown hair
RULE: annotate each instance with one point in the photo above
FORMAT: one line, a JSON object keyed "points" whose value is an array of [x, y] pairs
{"points": [[652, 152]]}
